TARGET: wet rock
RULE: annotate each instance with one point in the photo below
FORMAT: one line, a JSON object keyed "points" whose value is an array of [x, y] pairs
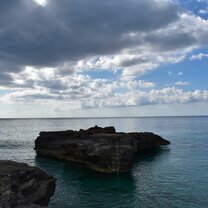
{"points": [[23, 186], [100, 149]]}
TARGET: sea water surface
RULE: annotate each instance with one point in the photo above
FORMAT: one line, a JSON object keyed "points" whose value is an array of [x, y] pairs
{"points": [[174, 177]]}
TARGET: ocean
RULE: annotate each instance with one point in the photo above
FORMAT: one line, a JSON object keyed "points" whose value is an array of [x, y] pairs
{"points": [[174, 177]]}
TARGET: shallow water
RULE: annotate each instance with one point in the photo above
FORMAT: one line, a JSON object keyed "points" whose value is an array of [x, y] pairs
{"points": [[174, 177]]}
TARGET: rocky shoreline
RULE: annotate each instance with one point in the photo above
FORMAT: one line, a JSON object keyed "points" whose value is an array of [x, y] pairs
{"points": [[100, 149], [23, 186]]}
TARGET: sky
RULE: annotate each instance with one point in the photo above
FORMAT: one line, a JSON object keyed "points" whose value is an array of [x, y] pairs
{"points": [[95, 58]]}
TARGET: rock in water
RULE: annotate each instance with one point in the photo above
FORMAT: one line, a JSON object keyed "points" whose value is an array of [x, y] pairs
{"points": [[100, 149], [23, 186]]}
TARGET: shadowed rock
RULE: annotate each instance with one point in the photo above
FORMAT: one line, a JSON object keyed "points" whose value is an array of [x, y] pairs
{"points": [[100, 149], [23, 186]]}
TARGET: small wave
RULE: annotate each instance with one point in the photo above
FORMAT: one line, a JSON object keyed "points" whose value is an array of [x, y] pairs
{"points": [[11, 145]]}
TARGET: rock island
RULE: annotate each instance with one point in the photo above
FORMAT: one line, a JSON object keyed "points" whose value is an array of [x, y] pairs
{"points": [[100, 149]]}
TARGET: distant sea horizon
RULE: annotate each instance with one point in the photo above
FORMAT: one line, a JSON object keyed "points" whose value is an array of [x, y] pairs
{"points": [[103, 117]]}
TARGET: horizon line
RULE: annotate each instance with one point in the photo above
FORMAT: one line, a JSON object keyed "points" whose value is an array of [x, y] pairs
{"points": [[101, 117]]}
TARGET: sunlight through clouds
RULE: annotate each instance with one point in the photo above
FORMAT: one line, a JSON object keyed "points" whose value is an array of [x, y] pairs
{"points": [[41, 2]]}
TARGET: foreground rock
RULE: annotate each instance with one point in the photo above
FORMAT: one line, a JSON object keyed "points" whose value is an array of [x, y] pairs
{"points": [[100, 149], [23, 186]]}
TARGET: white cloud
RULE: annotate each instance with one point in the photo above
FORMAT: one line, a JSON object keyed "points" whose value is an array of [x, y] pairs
{"points": [[170, 44], [81, 91], [180, 83], [199, 56], [144, 84], [203, 11]]}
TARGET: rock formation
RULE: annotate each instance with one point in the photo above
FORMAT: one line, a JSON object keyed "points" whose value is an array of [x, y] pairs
{"points": [[100, 149], [23, 186]]}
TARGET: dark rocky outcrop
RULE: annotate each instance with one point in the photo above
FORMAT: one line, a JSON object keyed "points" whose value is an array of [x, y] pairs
{"points": [[100, 149], [23, 186]]}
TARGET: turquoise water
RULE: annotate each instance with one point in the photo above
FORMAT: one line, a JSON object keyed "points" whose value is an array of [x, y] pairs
{"points": [[174, 177]]}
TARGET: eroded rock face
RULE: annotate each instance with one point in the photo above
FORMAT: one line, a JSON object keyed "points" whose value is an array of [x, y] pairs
{"points": [[100, 149], [23, 186]]}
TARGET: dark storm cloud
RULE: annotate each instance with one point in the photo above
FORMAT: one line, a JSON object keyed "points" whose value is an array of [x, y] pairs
{"points": [[67, 30], [133, 61], [5, 79]]}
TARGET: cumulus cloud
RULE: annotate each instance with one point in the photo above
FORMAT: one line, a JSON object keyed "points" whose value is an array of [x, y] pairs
{"points": [[115, 99], [81, 91], [48, 83]]}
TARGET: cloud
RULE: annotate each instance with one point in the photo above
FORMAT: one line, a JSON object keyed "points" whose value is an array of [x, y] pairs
{"points": [[96, 99], [48, 83], [71, 30], [76, 30], [199, 56], [203, 11], [180, 83], [47, 50], [140, 98], [79, 91], [203, 1], [170, 44]]}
